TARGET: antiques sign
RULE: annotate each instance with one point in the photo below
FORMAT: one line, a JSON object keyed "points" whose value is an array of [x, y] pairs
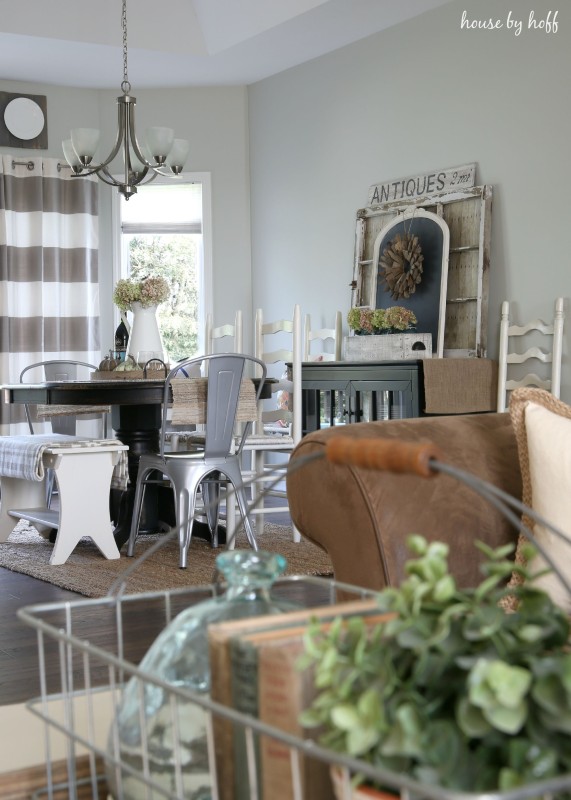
{"points": [[416, 186]]}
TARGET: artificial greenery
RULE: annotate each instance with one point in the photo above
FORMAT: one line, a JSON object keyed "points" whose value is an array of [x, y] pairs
{"points": [[452, 690]]}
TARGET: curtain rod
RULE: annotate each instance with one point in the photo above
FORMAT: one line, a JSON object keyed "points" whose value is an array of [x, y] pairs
{"points": [[30, 165]]}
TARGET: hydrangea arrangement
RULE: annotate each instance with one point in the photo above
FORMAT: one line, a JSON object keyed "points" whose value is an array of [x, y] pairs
{"points": [[149, 291], [367, 321]]}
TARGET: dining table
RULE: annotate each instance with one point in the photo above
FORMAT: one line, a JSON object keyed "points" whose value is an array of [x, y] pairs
{"points": [[136, 418]]}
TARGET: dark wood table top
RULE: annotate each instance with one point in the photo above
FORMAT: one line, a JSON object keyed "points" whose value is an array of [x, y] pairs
{"points": [[139, 391], [113, 392]]}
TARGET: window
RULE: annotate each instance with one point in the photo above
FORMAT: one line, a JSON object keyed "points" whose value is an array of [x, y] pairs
{"points": [[163, 231]]}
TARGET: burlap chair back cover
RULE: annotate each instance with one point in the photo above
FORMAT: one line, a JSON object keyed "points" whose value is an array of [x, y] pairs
{"points": [[190, 396]]}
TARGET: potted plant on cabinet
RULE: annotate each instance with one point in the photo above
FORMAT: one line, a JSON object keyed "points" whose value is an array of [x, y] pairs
{"points": [[453, 691], [385, 333]]}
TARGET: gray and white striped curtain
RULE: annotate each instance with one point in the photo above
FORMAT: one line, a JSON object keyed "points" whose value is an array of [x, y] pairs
{"points": [[49, 283]]}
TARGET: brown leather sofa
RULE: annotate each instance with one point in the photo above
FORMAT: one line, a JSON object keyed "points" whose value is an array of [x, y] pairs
{"points": [[361, 517]]}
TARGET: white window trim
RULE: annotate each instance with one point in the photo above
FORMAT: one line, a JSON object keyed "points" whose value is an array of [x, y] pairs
{"points": [[205, 280]]}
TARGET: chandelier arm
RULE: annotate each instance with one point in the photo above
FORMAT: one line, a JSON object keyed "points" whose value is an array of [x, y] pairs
{"points": [[84, 172], [123, 105], [132, 138], [148, 177], [103, 175], [159, 171], [93, 169], [127, 131], [133, 181]]}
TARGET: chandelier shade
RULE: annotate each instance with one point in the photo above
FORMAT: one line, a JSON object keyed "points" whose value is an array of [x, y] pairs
{"points": [[162, 154]]}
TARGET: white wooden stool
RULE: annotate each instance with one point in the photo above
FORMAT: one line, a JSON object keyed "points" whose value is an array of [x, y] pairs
{"points": [[84, 470]]}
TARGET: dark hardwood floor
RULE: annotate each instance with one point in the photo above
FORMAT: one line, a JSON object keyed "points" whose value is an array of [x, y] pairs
{"points": [[19, 673], [19, 679]]}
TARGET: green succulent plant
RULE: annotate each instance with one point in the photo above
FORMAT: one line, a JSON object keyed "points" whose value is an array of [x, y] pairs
{"points": [[451, 690]]}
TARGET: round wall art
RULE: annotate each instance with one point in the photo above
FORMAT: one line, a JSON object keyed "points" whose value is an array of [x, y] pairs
{"points": [[24, 118], [23, 121]]}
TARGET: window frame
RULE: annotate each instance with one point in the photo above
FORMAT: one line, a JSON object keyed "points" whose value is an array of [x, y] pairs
{"points": [[205, 279]]}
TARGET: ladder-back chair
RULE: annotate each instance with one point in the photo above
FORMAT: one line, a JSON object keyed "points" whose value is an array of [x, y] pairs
{"points": [[550, 354], [231, 332], [322, 335], [278, 429]]}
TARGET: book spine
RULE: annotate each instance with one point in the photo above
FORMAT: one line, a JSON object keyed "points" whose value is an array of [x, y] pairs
{"points": [[223, 729], [244, 680], [284, 691]]}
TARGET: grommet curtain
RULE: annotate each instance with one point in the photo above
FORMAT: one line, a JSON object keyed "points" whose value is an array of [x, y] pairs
{"points": [[49, 281]]}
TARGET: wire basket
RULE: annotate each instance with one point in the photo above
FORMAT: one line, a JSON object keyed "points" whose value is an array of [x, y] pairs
{"points": [[91, 675]]}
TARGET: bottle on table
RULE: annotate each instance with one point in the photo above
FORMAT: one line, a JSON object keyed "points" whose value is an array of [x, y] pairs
{"points": [[121, 340]]}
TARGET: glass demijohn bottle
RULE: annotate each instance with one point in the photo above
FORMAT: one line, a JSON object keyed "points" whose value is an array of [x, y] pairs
{"points": [[147, 725]]}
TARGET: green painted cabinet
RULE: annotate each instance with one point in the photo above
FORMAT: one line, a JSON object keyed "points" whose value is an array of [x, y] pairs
{"points": [[344, 392]]}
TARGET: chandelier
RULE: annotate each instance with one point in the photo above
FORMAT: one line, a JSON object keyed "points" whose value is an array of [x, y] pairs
{"points": [[165, 155]]}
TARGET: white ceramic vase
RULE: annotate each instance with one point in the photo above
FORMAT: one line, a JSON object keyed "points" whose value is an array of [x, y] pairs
{"points": [[144, 333]]}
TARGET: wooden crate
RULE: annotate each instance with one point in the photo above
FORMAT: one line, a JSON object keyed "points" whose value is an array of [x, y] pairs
{"points": [[468, 216], [388, 347]]}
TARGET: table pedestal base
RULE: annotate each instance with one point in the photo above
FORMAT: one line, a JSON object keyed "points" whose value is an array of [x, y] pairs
{"points": [[138, 427]]}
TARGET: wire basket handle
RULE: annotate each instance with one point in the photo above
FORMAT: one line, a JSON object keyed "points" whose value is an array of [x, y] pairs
{"points": [[393, 455]]}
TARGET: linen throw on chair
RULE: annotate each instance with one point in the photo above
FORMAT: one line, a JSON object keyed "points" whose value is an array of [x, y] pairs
{"points": [[49, 281]]}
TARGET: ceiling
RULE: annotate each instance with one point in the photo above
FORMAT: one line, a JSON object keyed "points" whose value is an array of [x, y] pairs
{"points": [[189, 43]]}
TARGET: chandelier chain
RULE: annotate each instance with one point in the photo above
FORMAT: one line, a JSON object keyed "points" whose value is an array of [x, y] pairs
{"points": [[125, 86]]}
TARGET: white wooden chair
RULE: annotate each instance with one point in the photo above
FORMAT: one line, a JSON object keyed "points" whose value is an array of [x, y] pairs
{"points": [[228, 331], [278, 430], [550, 355], [323, 334]]}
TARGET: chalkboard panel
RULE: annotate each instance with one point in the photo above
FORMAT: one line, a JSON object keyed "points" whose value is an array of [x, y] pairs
{"points": [[428, 300]]}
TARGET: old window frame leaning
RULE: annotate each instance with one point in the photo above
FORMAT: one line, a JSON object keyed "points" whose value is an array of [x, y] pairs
{"points": [[468, 216]]}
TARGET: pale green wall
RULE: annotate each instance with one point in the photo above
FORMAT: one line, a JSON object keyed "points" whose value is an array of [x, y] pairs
{"points": [[215, 121], [420, 96]]}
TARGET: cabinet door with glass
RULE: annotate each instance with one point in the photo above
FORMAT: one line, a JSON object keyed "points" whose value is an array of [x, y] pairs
{"points": [[342, 393]]}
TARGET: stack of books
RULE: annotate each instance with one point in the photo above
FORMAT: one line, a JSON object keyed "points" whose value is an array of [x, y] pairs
{"points": [[254, 669]]}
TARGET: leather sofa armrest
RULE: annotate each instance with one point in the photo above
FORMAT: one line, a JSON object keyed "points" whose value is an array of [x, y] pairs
{"points": [[362, 518]]}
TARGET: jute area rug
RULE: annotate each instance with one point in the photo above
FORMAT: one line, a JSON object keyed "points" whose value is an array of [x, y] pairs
{"points": [[87, 572]]}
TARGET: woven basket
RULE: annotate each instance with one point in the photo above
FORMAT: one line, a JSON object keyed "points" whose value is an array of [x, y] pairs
{"points": [[127, 375], [389, 347]]}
